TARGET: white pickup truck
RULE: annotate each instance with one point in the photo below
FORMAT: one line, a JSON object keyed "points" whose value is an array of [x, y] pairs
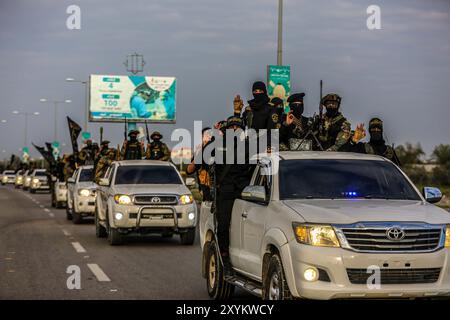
{"points": [[139, 197], [325, 225], [81, 193]]}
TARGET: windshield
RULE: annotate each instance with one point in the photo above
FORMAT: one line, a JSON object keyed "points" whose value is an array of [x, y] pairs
{"points": [[343, 179], [8, 172], [85, 175], [147, 175], [40, 173]]}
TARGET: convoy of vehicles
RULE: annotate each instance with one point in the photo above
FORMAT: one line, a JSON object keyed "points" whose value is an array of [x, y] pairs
{"points": [[81, 194], [318, 224], [142, 197], [314, 225]]}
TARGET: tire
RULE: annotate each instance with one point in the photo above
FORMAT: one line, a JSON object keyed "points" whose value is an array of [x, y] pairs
{"points": [[187, 238], [76, 217], [114, 237], [167, 235], [59, 204], [32, 191], [68, 213], [100, 231], [217, 287], [275, 284]]}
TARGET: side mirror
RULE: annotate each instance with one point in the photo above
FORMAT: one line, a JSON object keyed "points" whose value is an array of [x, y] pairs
{"points": [[103, 182], [254, 194], [190, 182], [71, 180], [432, 195]]}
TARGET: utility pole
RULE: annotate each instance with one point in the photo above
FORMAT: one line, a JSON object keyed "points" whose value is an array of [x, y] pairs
{"points": [[280, 33]]}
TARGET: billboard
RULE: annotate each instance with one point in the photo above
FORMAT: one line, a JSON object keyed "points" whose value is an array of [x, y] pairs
{"points": [[279, 81], [136, 98]]}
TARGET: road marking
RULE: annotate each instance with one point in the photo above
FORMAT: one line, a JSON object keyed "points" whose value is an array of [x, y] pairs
{"points": [[46, 210], [41, 206], [11, 271], [98, 273], [86, 257], [113, 290], [78, 247], [51, 215], [66, 233], [8, 259]]}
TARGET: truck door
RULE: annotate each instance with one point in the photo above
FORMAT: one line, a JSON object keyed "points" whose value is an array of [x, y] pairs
{"points": [[253, 222]]}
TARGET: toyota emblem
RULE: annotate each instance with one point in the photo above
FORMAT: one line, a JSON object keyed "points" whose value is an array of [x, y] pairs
{"points": [[156, 200], [395, 233]]}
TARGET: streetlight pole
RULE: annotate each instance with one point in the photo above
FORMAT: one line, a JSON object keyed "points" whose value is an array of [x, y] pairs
{"points": [[280, 33], [55, 102], [25, 114], [85, 83]]}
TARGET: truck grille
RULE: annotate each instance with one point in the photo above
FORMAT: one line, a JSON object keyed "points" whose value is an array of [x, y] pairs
{"points": [[396, 276], [155, 199], [376, 239]]}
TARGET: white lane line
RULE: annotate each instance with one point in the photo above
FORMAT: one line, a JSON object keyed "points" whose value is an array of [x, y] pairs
{"points": [[51, 215], [78, 247], [66, 233], [98, 273], [46, 210], [41, 206]]}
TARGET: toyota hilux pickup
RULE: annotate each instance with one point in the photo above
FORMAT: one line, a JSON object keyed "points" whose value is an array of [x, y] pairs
{"points": [[326, 225], [39, 181], [81, 194], [140, 197], [8, 176]]}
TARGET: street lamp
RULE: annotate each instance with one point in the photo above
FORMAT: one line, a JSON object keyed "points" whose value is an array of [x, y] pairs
{"points": [[55, 102], [3, 121], [25, 114], [85, 83]]}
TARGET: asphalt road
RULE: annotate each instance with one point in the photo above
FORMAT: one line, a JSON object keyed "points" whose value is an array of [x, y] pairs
{"points": [[38, 245]]}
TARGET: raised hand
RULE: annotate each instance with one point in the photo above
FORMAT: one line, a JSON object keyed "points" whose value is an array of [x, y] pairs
{"points": [[238, 104], [360, 133]]}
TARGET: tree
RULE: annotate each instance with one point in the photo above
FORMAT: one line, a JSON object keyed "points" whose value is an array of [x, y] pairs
{"points": [[410, 154], [441, 154]]}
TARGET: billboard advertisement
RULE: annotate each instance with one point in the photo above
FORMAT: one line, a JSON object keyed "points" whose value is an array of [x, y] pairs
{"points": [[135, 98], [279, 81]]}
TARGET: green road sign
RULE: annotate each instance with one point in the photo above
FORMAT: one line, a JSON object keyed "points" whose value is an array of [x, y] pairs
{"points": [[26, 150], [55, 144], [86, 135], [279, 81]]}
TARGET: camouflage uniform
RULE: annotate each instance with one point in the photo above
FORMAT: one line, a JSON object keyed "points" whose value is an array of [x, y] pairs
{"points": [[157, 150], [376, 145], [103, 164], [132, 149], [336, 130]]}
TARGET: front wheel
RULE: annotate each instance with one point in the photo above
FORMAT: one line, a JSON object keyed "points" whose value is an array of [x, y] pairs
{"points": [[100, 231], [115, 237], [76, 217], [187, 238], [275, 284], [216, 285]]}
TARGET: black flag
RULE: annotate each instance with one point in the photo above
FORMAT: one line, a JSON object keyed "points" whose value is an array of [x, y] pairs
{"points": [[47, 155], [74, 130]]}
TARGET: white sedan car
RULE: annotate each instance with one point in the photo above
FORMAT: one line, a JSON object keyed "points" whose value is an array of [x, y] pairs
{"points": [[81, 193], [39, 181], [8, 176], [141, 197]]}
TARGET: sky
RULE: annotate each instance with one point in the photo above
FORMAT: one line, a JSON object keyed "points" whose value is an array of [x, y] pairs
{"points": [[217, 49]]}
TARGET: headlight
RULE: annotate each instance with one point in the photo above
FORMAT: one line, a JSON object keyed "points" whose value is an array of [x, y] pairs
{"points": [[186, 199], [35, 180], [447, 237], [84, 192], [122, 199], [28, 179], [191, 216], [118, 216], [316, 235]]}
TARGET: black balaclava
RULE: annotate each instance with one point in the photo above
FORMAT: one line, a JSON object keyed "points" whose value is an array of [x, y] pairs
{"points": [[260, 97], [376, 137], [332, 112], [296, 104], [133, 137]]}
